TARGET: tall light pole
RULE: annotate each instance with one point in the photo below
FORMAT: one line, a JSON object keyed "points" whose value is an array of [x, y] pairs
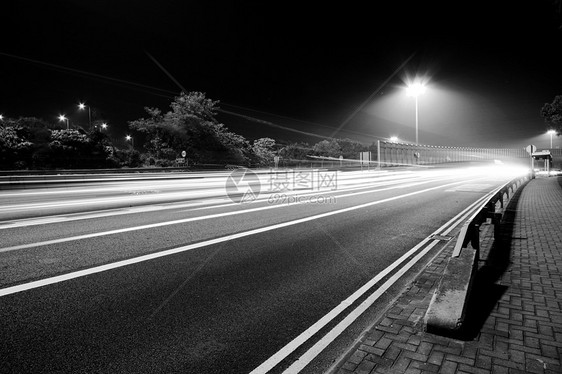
{"points": [[416, 89], [551, 132], [82, 106], [63, 118]]}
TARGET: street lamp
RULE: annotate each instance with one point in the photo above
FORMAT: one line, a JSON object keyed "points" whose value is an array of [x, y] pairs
{"points": [[63, 118], [104, 126], [394, 139], [130, 138], [551, 132], [416, 89], [82, 106]]}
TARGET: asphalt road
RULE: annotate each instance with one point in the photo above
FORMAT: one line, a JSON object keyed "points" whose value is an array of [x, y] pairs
{"points": [[201, 284]]}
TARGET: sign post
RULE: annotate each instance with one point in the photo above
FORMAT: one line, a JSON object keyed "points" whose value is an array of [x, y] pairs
{"points": [[530, 150]]}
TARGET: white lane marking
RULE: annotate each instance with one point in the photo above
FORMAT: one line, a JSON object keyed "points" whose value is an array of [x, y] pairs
{"points": [[302, 338], [180, 221], [99, 269]]}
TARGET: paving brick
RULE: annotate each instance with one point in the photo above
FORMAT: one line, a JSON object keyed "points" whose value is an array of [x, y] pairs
{"points": [[484, 362], [404, 346], [392, 353], [448, 367], [451, 350], [401, 364], [383, 343], [436, 358], [365, 367], [425, 348], [373, 350], [357, 357], [471, 369], [415, 356]]}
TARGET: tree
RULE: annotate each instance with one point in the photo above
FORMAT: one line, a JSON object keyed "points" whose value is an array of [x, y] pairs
{"points": [[552, 114], [350, 148], [15, 151], [296, 151], [327, 148], [264, 151], [191, 125]]}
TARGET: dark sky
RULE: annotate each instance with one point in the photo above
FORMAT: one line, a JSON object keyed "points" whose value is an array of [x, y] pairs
{"points": [[310, 68]]}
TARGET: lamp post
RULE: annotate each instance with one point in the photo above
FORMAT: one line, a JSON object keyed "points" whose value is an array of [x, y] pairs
{"points": [[551, 132], [63, 118], [416, 89], [82, 106], [130, 138]]}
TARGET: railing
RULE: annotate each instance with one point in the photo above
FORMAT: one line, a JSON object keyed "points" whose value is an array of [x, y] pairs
{"points": [[470, 232], [447, 308]]}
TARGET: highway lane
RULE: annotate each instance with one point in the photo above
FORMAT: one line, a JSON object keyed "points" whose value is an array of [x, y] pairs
{"points": [[226, 306], [63, 198]]}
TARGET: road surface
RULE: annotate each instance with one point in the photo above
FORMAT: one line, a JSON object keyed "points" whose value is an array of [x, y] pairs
{"points": [[95, 279]]}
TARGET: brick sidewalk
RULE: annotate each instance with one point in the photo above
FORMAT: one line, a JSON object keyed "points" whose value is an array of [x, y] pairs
{"points": [[514, 321]]}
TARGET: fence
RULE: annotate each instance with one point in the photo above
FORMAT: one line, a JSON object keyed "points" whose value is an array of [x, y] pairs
{"points": [[396, 154]]}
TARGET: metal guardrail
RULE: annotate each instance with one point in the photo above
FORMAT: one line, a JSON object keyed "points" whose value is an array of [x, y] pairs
{"points": [[446, 311], [470, 232]]}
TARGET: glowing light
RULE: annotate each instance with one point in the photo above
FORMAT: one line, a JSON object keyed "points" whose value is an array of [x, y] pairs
{"points": [[128, 137], [551, 132], [81, 106], [104, 125], [62, 117], [415, 89], [394, 139]]}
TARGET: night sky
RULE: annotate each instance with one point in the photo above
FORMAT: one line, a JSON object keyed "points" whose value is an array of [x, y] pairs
{"points": [[306, 71]]}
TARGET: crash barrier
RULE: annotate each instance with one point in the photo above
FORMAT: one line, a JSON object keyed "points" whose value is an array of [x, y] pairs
{"points": [[447, 308]]}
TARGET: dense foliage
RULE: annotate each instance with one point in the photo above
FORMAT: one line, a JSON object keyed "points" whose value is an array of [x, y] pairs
{"points": [[190, 125], [30, 143], [552, 114]]}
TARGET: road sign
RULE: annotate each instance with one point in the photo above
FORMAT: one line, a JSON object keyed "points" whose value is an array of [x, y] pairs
{"points": [[183, 153], [531, 149], [180, 160]]}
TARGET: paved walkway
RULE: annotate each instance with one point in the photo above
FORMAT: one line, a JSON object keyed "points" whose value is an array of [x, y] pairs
{"points": [[514, 324]]}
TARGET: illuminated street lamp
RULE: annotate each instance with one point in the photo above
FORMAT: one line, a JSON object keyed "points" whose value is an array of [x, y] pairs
{"points": [[416, 89], [104, 126], [551, 132], [130, 138], [82, 106], [394, 139], [63, 118]]}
